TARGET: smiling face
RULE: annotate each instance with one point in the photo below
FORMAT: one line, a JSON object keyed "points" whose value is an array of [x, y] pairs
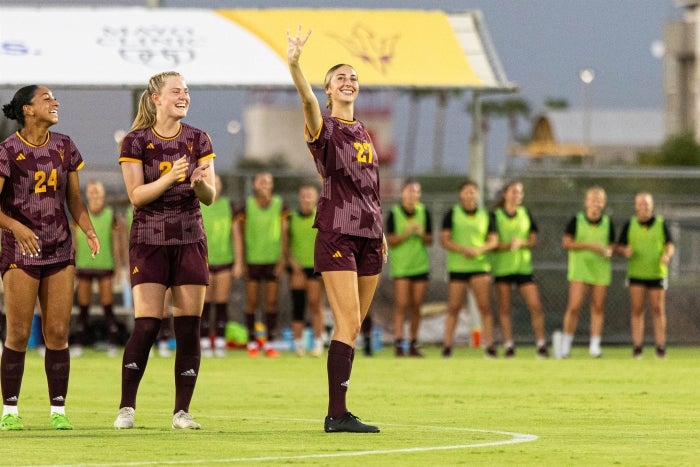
{"points": [[173, 99], [95, 194], [410, 195], [513, 195], [263, 185], [594, 203], [643, 206], [43, 107], [308, 197], [469, 196], [341, 85]]}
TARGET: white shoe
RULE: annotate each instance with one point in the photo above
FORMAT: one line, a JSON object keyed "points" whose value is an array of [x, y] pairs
{"points": [[125, 419], [76, 351], [318, 349], [164, 349], [219, 347], [205, 345], [183, 420]]}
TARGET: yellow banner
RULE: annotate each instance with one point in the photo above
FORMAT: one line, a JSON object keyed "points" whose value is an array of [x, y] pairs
{"points": [[386, 47]]}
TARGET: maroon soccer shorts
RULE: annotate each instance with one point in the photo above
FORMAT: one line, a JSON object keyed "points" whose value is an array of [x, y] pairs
{"points": [[170, 265], [36, 272], [217, 268], [340, 252], [94, 274], [261, 272]]}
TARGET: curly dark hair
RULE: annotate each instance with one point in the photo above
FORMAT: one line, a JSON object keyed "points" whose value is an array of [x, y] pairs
{"points": [[22, 97]]}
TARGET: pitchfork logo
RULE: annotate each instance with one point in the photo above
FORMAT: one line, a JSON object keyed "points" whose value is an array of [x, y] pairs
{"points": [[369, 46], [156, 47]]}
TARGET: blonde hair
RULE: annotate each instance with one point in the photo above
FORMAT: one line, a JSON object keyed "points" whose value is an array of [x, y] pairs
{"points": [[146, 113], [327, 82]]}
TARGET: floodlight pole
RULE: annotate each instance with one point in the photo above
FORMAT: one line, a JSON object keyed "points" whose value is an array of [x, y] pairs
{"points": [[587, 75], [476, 147]]}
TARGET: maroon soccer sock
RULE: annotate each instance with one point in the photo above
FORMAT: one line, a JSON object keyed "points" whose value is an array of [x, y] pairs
{"points": [[339, 368], [298, 304], [271, 324], [136, 357], [83, 323], [366, 327], [166, 331], [57, 367], [204, 328], [250, 324], [187, 357], [11, 372], [221, 318], [111, 324]]}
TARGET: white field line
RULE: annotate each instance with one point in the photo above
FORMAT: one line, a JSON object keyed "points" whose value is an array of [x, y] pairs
{"points": [[511, 438]]}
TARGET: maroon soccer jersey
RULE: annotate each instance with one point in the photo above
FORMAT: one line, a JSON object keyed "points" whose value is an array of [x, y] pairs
{"points": [[345, 157], [175, 217], [34, 193]]}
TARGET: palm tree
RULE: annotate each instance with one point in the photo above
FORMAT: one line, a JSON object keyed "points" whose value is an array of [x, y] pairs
{"points": [[556, 103], [511, 108]]}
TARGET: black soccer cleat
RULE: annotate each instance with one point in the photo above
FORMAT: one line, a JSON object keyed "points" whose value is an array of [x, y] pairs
{"points": [[348, 423]]}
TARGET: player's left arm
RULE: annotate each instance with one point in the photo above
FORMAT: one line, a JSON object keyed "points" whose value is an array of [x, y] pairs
{"points": [[202, 181]]}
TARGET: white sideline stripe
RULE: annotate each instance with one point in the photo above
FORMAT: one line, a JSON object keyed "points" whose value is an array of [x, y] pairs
{"points": [[515, 438]]}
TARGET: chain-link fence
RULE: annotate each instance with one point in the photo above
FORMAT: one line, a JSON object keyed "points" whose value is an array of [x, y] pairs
{"points": [[553, 196]]}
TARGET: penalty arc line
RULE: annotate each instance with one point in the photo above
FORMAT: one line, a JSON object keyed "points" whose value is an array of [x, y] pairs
{"points": [[515, 438]]}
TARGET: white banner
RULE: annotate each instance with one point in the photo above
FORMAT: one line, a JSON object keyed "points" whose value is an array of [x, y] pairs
{"points": [[123, 47]]}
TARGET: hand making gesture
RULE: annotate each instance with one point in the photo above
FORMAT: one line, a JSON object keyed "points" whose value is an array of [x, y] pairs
{"points": [[295, 45]]}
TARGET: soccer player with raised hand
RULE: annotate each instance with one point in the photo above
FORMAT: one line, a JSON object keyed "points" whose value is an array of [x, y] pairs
{"points": [[350, 244]]}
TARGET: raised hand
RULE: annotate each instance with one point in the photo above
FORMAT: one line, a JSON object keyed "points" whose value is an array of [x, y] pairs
{"points": [[295, 45]]}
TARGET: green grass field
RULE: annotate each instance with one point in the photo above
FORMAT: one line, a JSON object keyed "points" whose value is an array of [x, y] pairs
{"points": [[464, 410]]}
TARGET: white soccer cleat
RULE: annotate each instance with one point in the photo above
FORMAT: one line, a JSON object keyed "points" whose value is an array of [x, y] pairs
{"points": [[220, 347], [125, 419], [318, 348], [184, 421], [205, 345], [112, 351], [164, 349]]}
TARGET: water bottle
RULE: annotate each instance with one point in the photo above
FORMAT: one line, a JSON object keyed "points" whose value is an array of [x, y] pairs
{"points": [[307, 337], [287, 338], [377, 338]]}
